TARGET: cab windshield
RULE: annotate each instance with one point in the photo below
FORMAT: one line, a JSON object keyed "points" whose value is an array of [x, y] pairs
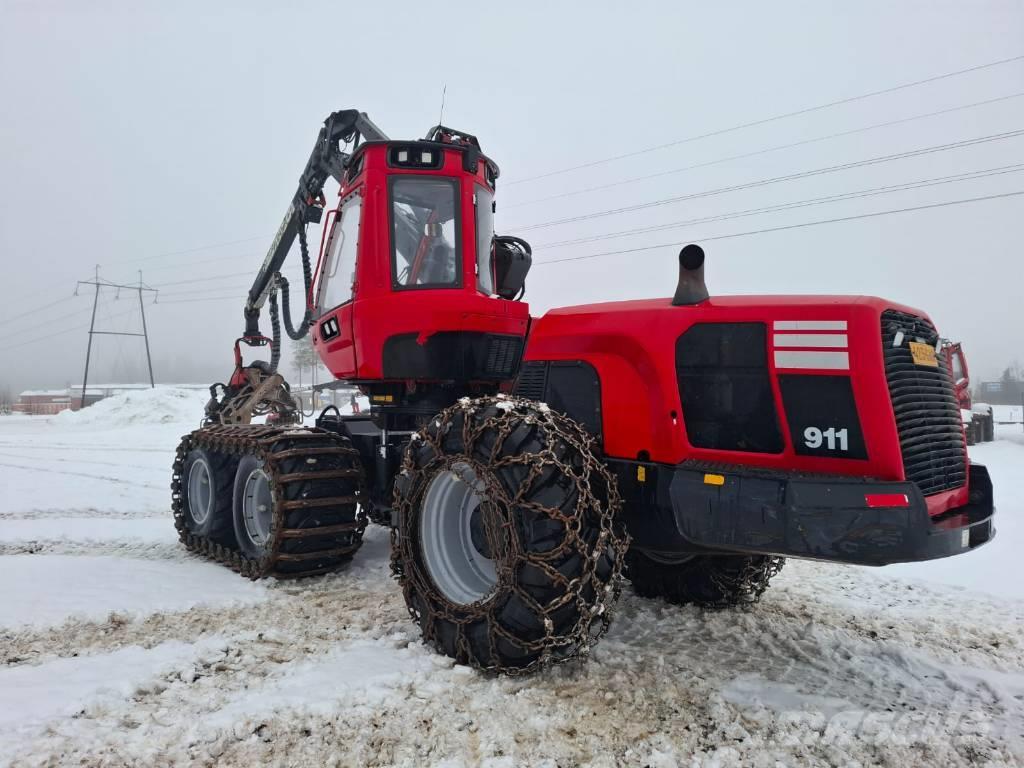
{"points": [[425, 250]]}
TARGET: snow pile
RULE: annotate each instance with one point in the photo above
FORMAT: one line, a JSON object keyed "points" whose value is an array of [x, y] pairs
{"points": [[163, 405]]}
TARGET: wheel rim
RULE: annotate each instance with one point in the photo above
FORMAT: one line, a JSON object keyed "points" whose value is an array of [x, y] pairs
{"points": [[257, 507], [200, 491], [451, 531]]}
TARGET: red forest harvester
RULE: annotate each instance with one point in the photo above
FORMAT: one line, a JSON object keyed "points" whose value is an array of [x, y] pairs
{"points": [[524, 464], [979, 419]]}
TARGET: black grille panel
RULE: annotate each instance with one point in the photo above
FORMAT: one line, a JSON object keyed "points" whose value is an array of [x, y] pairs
{"points": [[503, 353], [532, 381], [926, 409]]}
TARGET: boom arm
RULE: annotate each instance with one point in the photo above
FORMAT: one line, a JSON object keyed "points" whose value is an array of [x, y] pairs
{"points": [[326, 159]]}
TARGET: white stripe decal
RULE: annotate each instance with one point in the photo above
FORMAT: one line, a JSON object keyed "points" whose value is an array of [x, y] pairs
{"points": [[809, 325], [829, 340], [839, 361]]}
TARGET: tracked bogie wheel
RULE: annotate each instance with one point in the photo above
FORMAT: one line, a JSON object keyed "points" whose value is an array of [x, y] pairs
{"points": [[208, 480], [710, 581], [509, 545], [285, 500]]}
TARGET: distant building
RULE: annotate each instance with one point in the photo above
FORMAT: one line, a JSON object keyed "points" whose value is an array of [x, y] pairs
{"points": [[1001, 392], [42, 402], [46, 402]]}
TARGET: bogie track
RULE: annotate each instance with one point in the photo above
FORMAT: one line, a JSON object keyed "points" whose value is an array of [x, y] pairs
{"points": [[316, 484]]}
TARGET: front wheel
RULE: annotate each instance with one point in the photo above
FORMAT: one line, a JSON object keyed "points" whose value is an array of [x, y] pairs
{"points": [[508, 547], [710, 581]]}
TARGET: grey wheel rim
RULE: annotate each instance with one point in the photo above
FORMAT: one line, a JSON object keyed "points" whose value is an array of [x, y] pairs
{"points": [[257, 507], [200, 491], [451, 507]]}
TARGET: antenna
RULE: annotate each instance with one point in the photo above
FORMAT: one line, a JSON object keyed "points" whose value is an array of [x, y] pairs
{"points": [[440, 119]]}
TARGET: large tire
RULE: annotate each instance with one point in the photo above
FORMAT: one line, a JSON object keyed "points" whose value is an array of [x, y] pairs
{"points": [[256, 534], [207, 489], [509, 546], [253, 529], [988, 427], [710, 581]]}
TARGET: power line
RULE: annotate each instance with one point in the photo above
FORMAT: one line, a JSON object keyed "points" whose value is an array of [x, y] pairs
{"points": [[788, 226], [197, 248], [853, 195], [36, 310], [765, 120], [52, 320], [775, 180], [61, 332], [764, 151], [192, 301], [205, 279]]}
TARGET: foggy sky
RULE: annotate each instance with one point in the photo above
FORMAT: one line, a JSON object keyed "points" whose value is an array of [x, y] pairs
{"points": [[136, 135]]}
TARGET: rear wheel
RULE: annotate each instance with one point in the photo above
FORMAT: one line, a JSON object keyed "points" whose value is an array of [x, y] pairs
{"points": [[253, 508], [208, 477], [508, 545], [711, 581]]}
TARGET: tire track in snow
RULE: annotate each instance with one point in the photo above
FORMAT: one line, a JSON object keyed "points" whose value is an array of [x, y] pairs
{"points": [[84, 512], [361, 598], [143, 467], [81, 447], [106, 478], [664, 666], [659, 693]]}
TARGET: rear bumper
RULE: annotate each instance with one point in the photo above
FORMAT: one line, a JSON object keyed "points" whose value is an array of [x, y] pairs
{"points": [[825, 519]]}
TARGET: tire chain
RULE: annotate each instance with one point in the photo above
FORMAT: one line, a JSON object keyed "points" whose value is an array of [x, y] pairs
{"points": [[747, 586], [245, 440], [559, 432]]}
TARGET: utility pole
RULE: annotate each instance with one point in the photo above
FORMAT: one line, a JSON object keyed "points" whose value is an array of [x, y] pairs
{"points": [[145, 334], [98, 283], [92, 324]]}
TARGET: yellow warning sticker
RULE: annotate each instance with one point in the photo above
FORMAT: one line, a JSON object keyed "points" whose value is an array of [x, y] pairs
{"points": [[924, 354]]}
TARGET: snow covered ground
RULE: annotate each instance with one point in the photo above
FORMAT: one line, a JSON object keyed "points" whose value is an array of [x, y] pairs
{"points": [[116, 647]]}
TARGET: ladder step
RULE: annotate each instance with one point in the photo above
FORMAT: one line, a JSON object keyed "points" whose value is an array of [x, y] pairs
{"points": [[331, 474], [300, 557], [325, 530], [314, 503], [326, 451]]}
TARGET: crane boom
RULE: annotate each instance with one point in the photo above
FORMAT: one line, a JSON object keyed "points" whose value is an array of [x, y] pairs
{"points": [[326, 160]]}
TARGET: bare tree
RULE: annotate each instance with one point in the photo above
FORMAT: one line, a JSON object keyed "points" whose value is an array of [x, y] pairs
{"points": [[6, 400], [304, 357]]}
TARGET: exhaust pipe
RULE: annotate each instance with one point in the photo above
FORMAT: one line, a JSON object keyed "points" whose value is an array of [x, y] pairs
{"points": [[691, 288]]}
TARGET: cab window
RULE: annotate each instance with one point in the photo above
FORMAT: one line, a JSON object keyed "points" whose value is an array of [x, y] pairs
{"points": [[425, 250], [958, 367], [340, 270], [484, 203]]}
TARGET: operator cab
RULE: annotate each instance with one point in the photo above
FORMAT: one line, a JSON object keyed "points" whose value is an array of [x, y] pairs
{"points": [[412, 285]]}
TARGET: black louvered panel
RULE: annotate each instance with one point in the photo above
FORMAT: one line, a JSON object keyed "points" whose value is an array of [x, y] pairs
{"points": [[532, 381], [926, 409], [503, 354]]}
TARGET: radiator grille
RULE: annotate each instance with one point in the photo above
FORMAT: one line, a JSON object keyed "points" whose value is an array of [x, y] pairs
{"points": [[926, 409]]}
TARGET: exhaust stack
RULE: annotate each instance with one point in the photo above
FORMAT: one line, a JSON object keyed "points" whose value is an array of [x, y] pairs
{"points": [[691, 288]]}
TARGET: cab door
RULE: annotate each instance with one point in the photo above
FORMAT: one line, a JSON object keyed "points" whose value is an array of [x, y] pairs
{"points": [[335, 338]]}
